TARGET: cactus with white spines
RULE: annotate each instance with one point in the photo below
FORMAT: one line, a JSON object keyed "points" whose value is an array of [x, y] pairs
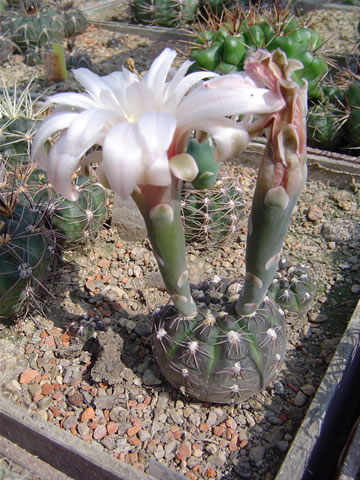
{"points": [[218, 356], [212, 216], [292, 288], [26, 255], [74, 223]]}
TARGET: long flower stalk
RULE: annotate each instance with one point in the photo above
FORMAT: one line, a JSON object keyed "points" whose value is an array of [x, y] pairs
{"points": [[281, 177], [161, 210]]}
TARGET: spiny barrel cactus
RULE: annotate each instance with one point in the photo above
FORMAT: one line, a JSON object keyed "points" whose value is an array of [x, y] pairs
{"points": [[39, 29], [325, 124], [168, 13], [212, 216], [75, 22], [218, 356], [74, 223], [292, 288], [26, 256], [20, 115]]}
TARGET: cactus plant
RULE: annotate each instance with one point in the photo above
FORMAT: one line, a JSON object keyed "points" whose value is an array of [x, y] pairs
{"points": [[75, 22], [74, 223], [26, 256], [20, 114], [168, 13], [292, 288], [353, 122], [212, 216], [325, 124], [227, 42], [218, 356], [35, 30]]}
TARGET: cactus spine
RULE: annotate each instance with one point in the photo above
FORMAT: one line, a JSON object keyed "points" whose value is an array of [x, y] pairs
{"points": [[35, 30]]}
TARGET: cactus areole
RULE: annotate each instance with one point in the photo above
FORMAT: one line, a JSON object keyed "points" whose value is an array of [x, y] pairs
{"points": [[143, 126]]}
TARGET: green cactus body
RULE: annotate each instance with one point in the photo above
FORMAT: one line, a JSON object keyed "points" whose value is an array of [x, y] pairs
{"points": [[212, 216], [204, 156], [353, 122], [168, 13], [292, 288], [325, 123], [15, 142], [38, 30], [26, 255], [74, 222], [75, 23], [214, 7], [226, 49], [218, 356]]}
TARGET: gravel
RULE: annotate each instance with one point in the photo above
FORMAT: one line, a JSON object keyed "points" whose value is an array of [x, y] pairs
{"points": [[107, 389]]}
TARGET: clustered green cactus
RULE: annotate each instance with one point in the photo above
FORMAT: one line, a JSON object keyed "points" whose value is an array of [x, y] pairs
{"points": [[35, 29], [228, 41]]}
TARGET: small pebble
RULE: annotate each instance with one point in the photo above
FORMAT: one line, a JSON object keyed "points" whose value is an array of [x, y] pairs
{"points": [[300, 399]]}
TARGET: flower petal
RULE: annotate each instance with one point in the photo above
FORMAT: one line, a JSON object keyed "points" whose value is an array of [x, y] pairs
{"points": [[90, 81], [183, 166], [122, 158], [73, 100], [60, 168], [205, 103], [229, 142], [155, 171], [156, 76], [54, 123], [157, 131], [180, 86], [140, 98], [86, 128]]}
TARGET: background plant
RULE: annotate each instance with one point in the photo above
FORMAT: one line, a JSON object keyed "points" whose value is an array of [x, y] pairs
{"points": [[225, 41]]}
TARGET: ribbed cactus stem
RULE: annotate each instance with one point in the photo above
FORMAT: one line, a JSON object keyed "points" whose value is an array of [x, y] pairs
{"points": [[161, 210], [281, 177]]}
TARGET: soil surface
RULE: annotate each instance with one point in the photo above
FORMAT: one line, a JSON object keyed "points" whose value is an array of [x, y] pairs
{"points": [[85, 363]]}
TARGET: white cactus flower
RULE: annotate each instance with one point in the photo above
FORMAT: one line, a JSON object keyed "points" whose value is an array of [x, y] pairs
{"points": [[142, 124]]}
